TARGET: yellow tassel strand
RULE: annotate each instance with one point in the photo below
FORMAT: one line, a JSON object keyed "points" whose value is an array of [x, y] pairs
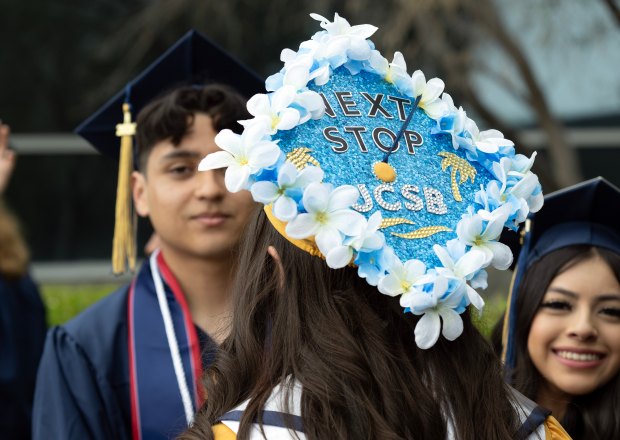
{"points": [[124, 243]]}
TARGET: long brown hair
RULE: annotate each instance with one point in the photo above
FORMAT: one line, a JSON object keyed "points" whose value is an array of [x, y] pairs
{"points": [[353, 352], [13, 251], [595, 415]]}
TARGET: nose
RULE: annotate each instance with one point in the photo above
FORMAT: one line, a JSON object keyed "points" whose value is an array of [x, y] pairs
{"points": [[210, 185], [582, 327]]}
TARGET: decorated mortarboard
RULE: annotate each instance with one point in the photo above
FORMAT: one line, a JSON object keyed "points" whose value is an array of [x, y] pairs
{"points": [[583, 214], [193, 60], [363, 164]]}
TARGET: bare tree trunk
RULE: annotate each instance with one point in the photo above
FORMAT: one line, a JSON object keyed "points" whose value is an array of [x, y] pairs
{"points": [[614, 9], [455, 63], [566, 170]]}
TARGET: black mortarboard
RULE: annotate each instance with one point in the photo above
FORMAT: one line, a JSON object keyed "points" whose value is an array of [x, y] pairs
{"points": [[586, 213], [193, 60]]}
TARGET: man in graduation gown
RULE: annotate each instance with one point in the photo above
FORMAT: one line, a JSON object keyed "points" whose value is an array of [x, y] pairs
{"points": [[130, 366]]}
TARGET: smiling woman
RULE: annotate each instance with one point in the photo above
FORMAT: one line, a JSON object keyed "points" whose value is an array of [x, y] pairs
{"points": [[562, 332]]}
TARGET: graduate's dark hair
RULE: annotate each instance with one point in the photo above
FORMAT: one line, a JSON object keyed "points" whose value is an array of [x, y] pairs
{"points": [[170, 116], [592, 416], [353, 352]]}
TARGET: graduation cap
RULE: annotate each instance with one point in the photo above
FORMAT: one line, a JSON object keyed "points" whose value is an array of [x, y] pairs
{"points": [[192, 60], [361, 163], [583, 214]]}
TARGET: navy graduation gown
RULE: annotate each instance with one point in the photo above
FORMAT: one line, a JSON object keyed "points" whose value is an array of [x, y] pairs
{"points": [[22, 332], [83, 387]]}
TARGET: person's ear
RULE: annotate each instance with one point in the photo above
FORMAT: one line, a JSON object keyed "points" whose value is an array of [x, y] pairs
{"points": [[272, 251], [140, 193]]}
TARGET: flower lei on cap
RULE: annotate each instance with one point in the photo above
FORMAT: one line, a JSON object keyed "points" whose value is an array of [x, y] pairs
{"points": [[320, 218]]}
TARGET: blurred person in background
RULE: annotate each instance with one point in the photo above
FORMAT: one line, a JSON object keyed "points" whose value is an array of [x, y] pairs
{"points": [[22, 315], [561, 333], [130, 366]]}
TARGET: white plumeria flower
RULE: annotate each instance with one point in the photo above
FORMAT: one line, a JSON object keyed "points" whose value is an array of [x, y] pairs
{"points": [[242, 155], [528, 187], [369, 239], [314, 51], [274, 109], [289, 184], [313, 104], [501, 169], [297, 76], [344, 36], [403, 279], [296, 73], [328, 218], [488, 141], [394, 72], [525, 188], [465, 267], [437, 308], [429, 92], [470, 231]]}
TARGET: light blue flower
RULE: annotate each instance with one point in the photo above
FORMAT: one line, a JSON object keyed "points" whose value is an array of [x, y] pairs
{"points": [[286, 193], [373, 265], [452, 122], [462, 265]]}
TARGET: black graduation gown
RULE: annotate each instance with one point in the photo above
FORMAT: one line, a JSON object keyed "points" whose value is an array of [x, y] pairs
{"points": [[22, 333], [83, 380]]}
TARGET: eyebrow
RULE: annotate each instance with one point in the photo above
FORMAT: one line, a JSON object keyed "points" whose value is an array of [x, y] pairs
{"points": [[181, 154], [600, 298]]}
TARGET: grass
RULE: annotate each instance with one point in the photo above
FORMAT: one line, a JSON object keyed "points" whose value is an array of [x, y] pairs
{"points": [[493, 310], [64, 301]]}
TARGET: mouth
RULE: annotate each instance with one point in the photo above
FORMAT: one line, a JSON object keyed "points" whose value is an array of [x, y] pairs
{"points": [[579, 357], [211, 218], [573, 356]]}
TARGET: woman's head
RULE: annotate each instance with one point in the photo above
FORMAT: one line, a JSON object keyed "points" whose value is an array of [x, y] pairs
{"points": [[568, 323], [352, 350]]}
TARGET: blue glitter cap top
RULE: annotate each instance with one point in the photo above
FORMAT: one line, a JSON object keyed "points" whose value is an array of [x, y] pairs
{"points": [[361, 163]]}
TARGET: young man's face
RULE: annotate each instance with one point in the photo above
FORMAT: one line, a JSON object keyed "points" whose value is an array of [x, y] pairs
{"points": [[192, 212]]}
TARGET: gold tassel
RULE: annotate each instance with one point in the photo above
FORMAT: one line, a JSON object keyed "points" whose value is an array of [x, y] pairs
{"points": [[124, 243]]}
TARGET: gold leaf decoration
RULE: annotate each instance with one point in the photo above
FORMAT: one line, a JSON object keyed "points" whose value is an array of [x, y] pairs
{"points": [[424, 232], [462, 166], [301, 157], [389, 222]]}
